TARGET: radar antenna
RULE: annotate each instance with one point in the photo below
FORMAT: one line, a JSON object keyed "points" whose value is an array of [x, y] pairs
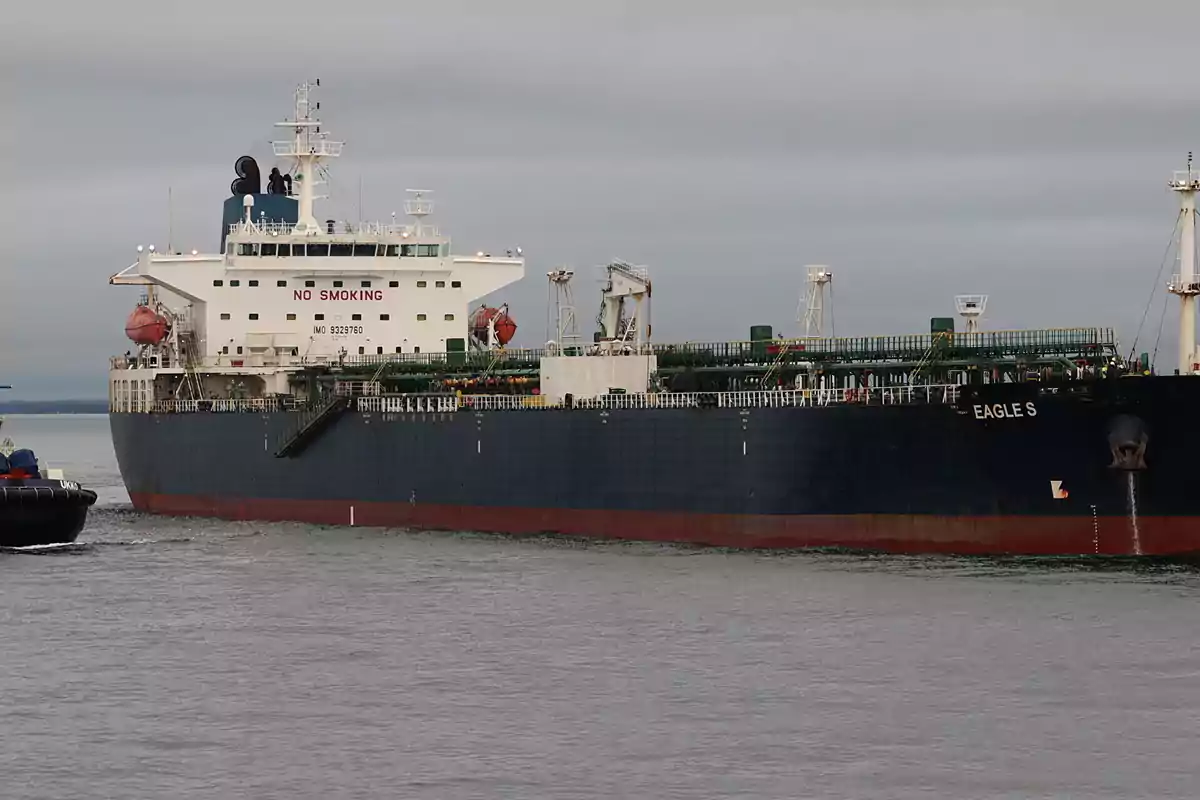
{"points": [[970, 308]]}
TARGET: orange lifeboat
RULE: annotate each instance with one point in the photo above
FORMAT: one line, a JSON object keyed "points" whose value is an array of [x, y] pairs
{"points": [[506, 326], [146, 326]]}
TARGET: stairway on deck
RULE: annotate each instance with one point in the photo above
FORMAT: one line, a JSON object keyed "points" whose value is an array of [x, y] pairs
{"points": [[311, 426]]}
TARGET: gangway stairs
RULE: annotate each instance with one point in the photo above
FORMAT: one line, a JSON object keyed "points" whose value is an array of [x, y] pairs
{"points": [[311, 425]]}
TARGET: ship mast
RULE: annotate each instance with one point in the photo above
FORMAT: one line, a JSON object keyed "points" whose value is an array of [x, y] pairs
{"points": [[1185, 283], [308, 146], [565, 332], [819, 277]]}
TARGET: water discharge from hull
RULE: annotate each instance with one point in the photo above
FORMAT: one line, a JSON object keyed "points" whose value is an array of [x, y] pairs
{"points": [[1131, 489]]}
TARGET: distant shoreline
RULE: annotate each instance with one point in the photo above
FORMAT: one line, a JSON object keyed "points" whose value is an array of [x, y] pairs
{"points": [[54, 407]]}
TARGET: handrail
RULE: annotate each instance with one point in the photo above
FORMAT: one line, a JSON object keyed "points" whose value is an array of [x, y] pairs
{"points": [[401, 232], [447, 403], [913, 346]]}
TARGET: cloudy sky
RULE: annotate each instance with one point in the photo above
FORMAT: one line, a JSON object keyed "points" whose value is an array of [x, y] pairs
{"points": [[922, 149]]}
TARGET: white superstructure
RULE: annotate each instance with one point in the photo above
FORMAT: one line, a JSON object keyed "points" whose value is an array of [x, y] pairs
{"points": [[283, 296]]}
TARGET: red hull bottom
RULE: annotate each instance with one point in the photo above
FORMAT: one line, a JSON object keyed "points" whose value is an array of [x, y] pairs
{"points": [[895, 533]]}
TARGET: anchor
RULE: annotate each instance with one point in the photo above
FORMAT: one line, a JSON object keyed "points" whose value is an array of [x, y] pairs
{"points": [[1127, 439]]}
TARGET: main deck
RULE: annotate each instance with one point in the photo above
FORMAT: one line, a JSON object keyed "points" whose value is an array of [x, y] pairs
{"points": [[807, 372]]}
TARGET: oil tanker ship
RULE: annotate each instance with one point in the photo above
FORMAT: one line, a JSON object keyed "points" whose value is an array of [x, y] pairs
{"points": [[346, 374]]}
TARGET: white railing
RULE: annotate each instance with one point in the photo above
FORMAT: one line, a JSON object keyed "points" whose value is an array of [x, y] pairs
{"points": [[214, 363], [1179, 285], [352, 388], [502, 402], [389, 229], [372, 401], [371, 230], [255, 404], [798, 398], [316, 147], [1185, 178], [409, 404]]}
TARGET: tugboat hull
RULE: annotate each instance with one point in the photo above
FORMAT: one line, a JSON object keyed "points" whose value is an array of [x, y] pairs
{"points": [[42, 512]]}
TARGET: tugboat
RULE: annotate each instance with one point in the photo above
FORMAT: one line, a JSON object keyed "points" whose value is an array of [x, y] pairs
{"points": [[37, 506]]}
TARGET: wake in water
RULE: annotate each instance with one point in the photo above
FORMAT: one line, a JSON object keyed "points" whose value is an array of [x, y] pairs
{"points": [[47, 549], [89, 546]]}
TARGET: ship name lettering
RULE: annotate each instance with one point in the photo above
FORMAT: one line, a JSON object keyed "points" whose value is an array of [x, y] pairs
{"points": [[1005, 410], [352, 294]]}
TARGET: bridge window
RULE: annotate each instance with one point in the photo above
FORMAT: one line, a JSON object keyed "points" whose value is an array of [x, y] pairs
{"points": [[253, 283], [427, 250], [310, 284], [394, 284], [449, 318], [384, 317], [366, 284], [291, 317], [248, 249], [285, 249], [356, 317], [455, 284], [319, 250], [235, 283], [281, 283], [337, 284], [224, 316], [393, 250], [229, 248], [440, 285], [421, 284], [341, 250], [218, 283], [408, 250], [318, 317], [268, 248], [367, 250], [420, 317]]}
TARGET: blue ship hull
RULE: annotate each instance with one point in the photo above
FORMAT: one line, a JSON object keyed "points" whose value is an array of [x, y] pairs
{"points": [[1095, 468]]}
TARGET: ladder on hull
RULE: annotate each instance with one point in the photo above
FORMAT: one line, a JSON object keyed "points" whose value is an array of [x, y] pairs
{"points": [[311, 425]]}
